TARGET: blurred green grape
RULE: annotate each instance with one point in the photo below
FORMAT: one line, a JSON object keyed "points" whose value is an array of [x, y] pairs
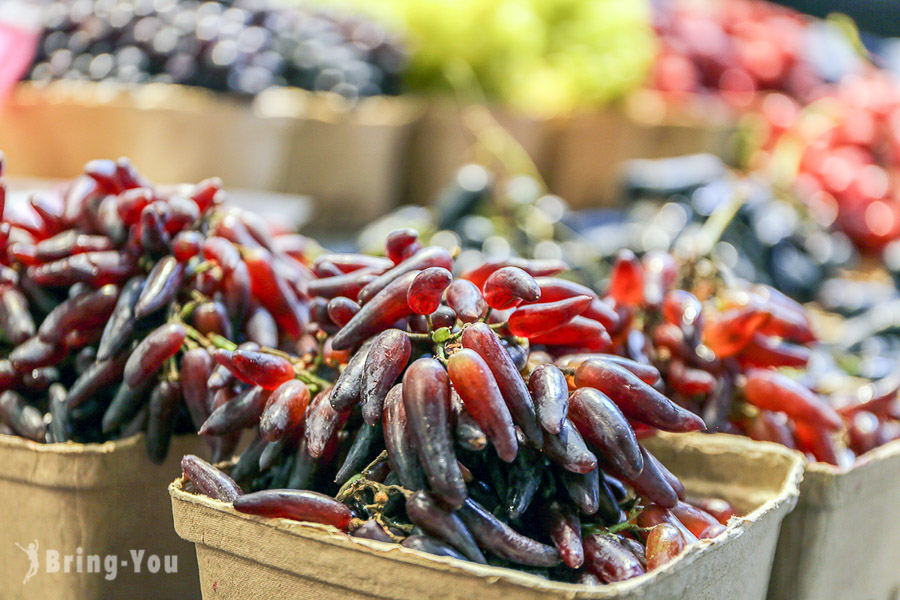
{"points": [[542, 56]]}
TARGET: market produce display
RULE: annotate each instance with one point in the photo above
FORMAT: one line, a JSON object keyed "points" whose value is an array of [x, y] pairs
{"points": [[108, 293], [241, 46]]}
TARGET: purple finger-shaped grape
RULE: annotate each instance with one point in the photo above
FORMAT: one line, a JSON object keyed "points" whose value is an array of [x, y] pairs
{"points": [[426, 512], [426, 398], [99, 375], [385, 360], [365, 446], [237, 292], [550, 392], [508, 287], [285, 410], [501, 540], [84, 310], [238, 413], [562, 525], [603, 425], [636, 399], [650, 484], [211, 317], [126, 403], [261, 368], [260, 327], [348, 388], [568, 450], [341, 309], [524, 477], [148, 357], [195, 368], [164, 400], [606, 558], [35, 353], [299, 505], [426, 290], [372, 530], [16, 322], [429, 545], [24, 419], [385, 308], [466, 300], [323, 423], [209, 480], [398, 441], [161, 287], [121, 323], [68, 243]]}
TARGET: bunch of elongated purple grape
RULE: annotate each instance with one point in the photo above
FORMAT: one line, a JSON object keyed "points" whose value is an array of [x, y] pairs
{"points": [[415, 412], [110, 287]]}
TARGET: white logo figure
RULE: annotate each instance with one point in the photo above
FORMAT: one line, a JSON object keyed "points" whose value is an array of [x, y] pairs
{"points": [[32, 552]]}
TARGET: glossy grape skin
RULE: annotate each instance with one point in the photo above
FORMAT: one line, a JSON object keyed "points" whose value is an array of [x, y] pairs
{"points": [[425, 292], [478, 389], [550, 392], [385, 360], [634, 397], [508, 287], [209, 480], [426, 398], [466, 300], [664, 543], [609, 560], [480, 338], [536, 319], [299, 505]]}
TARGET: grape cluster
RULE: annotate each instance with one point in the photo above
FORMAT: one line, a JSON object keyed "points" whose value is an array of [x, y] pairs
{"points": [[110, 287], [433, 414], [240, 46]]}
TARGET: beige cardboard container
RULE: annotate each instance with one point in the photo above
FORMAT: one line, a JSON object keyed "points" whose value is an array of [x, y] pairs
{"points": [[104, 499], [172, 133], [843, 540], [444, 140], [242, 556], [592, 147], [349, 160]]}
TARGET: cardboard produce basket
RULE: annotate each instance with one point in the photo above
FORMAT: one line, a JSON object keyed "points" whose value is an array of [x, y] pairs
{"points": [[444, 141], [246, 557], [350, 160], [843, 539], [81, 504], [593, 146], [172, 133]]}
